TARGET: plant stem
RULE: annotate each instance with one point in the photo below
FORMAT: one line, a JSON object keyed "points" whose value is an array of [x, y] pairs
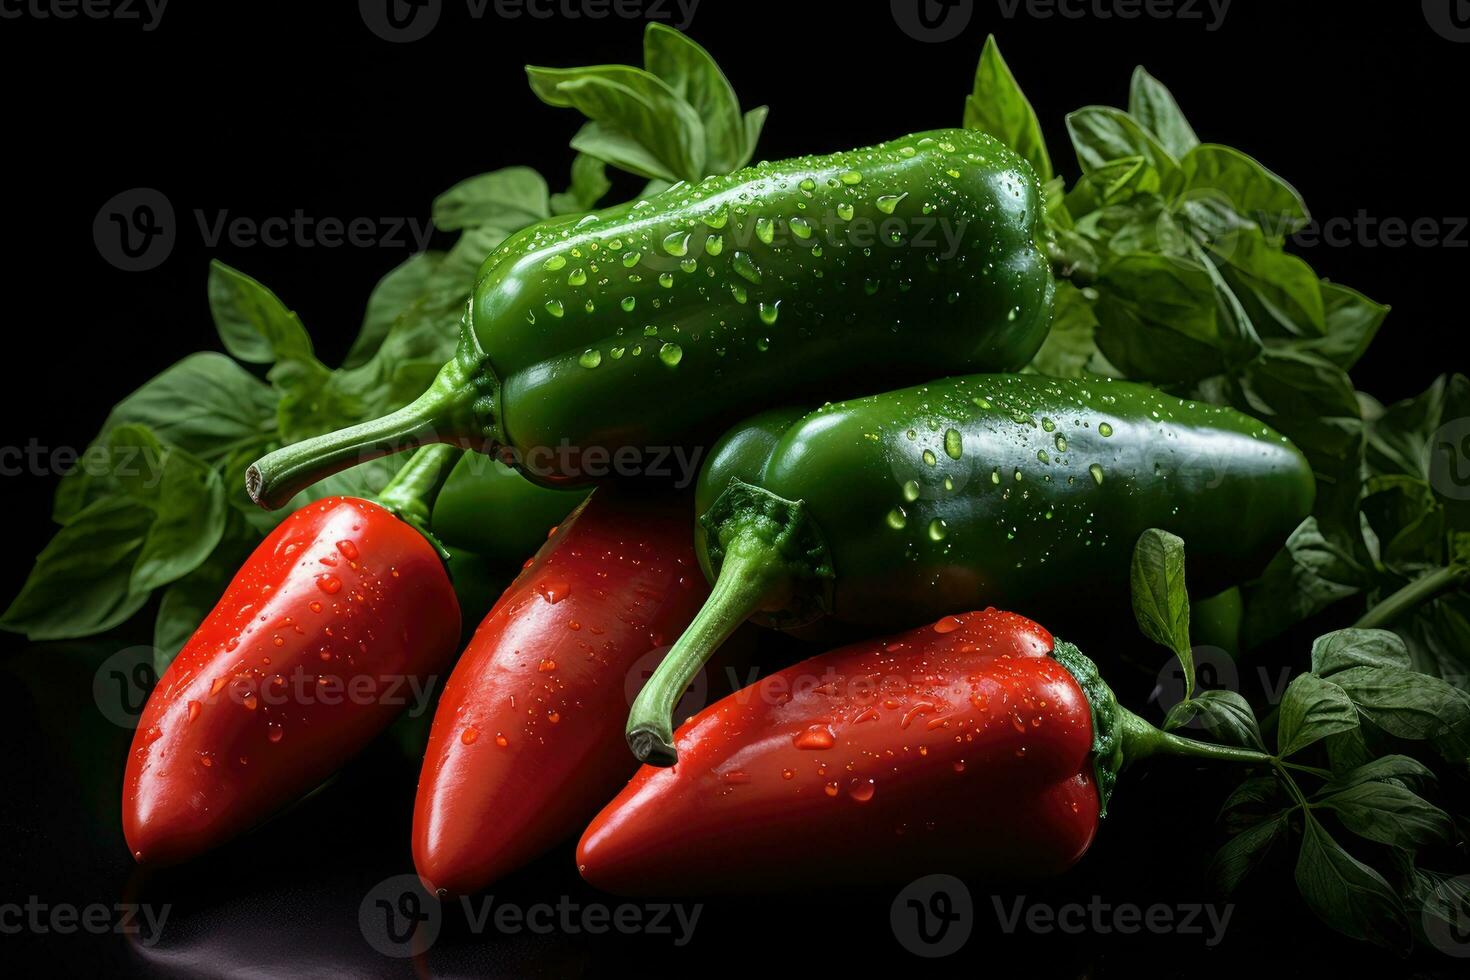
{"points": [[1419, 591], [753, 576], [1140, 740], [411, 492]]}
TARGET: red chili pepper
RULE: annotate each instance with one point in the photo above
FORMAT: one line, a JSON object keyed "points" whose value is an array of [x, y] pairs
{"points": [[527, 739], [960, 745], [342, 614]]}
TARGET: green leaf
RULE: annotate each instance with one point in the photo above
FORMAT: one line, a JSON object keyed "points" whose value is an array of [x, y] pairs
{"points": [[997, 106], [1389, 814], [1253, 191], [1347, 894], [393, 296], [1349, 648], [1224, 714], [589, 184], [1438, 637], [1160, 599], [186, 602], [1312, 402], [253, 323], [1101, 135], [1350, 320], [1070, 350], [755, 121], [1311, 710], [1312, 572], [80, 583], [512, 197], [1252, 801], [620, 150], [693, 76], [1244, 852], [1411, 705], [1281, 293], [1154, 107], [1158, 320], [190, 520], [1405, 513], [634, 107], [1397, 768]]}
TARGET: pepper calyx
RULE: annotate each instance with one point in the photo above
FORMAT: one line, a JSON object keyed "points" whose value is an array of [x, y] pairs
{"points": [[1108, 719], [747, 517]]}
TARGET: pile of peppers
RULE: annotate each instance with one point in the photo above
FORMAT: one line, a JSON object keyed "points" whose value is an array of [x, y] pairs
{"points": [[868, 471]]}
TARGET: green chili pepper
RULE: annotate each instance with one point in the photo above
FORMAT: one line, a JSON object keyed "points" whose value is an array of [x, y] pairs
{"points": [[654, 324], [894, 509], [490, 509]]}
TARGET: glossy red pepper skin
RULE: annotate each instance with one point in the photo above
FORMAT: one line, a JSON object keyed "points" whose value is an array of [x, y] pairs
{"points": [[314, 648], [527, 741], [961, 746]]}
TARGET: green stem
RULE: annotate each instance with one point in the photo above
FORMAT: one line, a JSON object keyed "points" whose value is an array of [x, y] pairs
{"points": [[753, 576], [1418, 591], [1141, 740], [458, 409], [411, 492]]}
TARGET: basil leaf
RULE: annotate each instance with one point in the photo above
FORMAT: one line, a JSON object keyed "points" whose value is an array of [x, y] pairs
{"points": [[634, 107], [755, 121], [1101, 135], [80, 582], [1349, 648], [511, 197], [1225, 715], [1070, 350], [1154, 107], [1157, 319], [394, 294], [1405, 514], [253, 323], [996, 106], [190, 519], [1397, 768], [1160, 600], [1347, 894], [1350, 322], [1438, 637], [186, 602], [1411, 705], [589, 184], [1280, 292], [1250, 802], [1311, 573], [1311, 710], [621, 151], [1254, 192], [1389, 814], [1244, 852], [693, 76]]}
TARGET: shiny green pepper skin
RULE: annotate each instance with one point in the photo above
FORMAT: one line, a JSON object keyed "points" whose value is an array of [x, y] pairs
{"points": [[658, 323], [1016, 491], [1000, 489], [488, 508]]}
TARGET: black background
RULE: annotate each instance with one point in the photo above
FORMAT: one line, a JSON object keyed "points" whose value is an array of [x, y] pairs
{"points": [[261, 109]]}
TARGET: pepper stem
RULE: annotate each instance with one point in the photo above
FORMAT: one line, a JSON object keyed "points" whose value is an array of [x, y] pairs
{"points": [[1141, 740], [455, 410], [410, 494], [753, 576], [1416, 592], [768, 557]]}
